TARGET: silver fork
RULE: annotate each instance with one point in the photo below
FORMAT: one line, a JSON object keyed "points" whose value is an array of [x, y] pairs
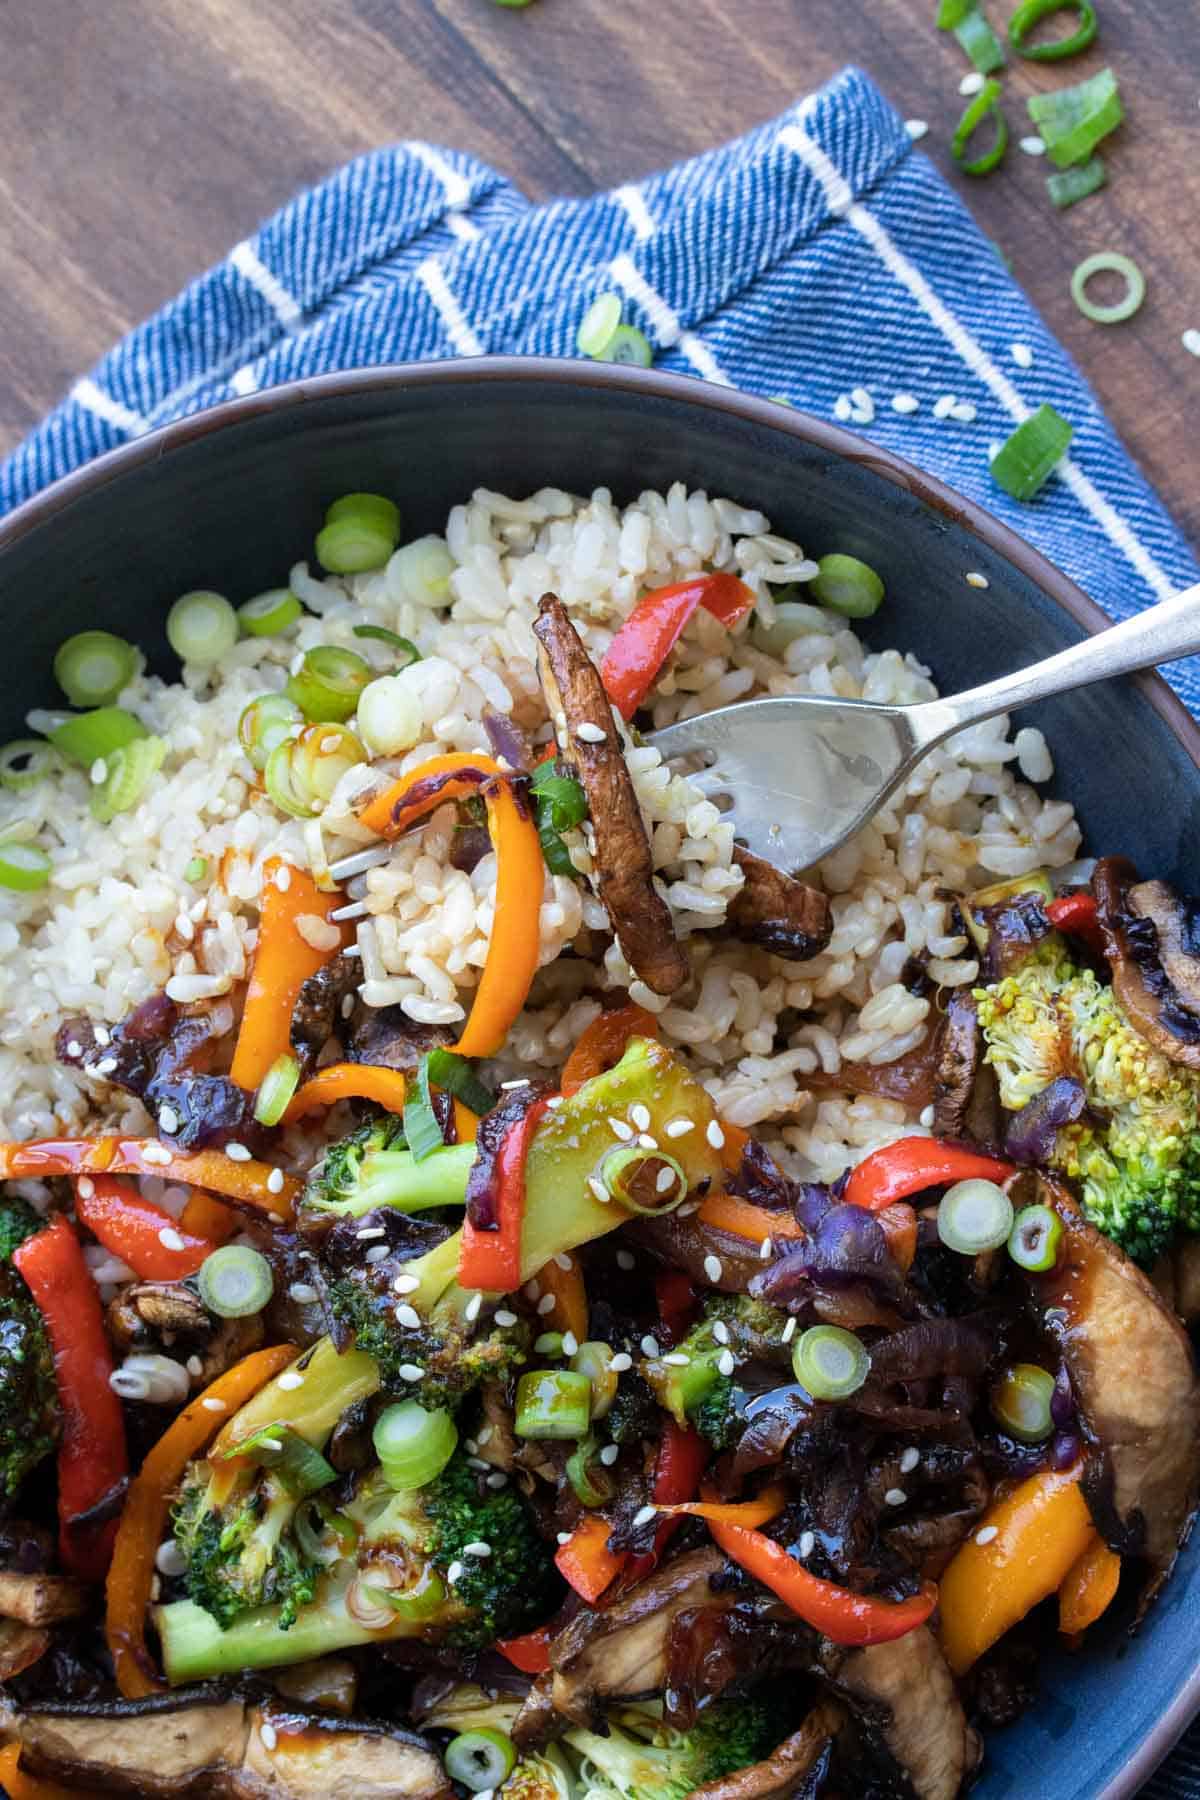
{"points": [[799, 775]]}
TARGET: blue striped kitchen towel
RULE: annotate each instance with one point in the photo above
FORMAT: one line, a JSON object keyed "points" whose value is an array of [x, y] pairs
{"points": [[819, 257]]}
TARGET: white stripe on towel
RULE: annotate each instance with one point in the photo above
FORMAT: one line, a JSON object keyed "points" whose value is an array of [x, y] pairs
{"points": [[432, 278], [86, 393], [634, 202], [250, 265], [663, 320]]}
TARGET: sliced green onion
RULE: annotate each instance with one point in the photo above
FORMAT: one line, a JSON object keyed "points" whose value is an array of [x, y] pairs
{"points": [[265, 724], [559, 803], [633, 1177], [1026, 460], [553, 1404], [448, 1070], [549, 1344], [321, 755], [793, 619], [1072, 120], [629, 346], [423, 570], [276, 1089], [1032, 12], [425, 1597], [485, 1758], [327, 685], [985, 102], [197, 869], [382, 512], [422, 1132], [300, 1468], [86, 736], [92, 667], [279, 781], [269, 614], [979, 41], [235, 1281], [597, 326], [23, 867], [831, 1363], [393, 638], [413, 1445], [951, 13], [1108, 262], [389, 716], [592, 1486], [25, 762], [1066, 186], [974, 1216], [1034, 1239], [202, 627], [1020, 1402], [128, 773], [360, 533], [594, 1359], [847, 586]]}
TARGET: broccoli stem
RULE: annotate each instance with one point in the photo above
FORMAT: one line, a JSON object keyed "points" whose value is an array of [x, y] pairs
{"points": [[194, 1647], [395, 1178]]}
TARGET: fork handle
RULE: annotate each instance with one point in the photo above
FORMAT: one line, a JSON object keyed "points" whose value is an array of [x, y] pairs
{"points": [[1159, 634]]}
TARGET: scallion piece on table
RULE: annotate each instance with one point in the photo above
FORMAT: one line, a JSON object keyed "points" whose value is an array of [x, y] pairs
{"points": [[597, 326], [269, 614], [483, 1759], [1032, 12], [265, 724], [831, 1363], [276, 1089], [86, 736], [422, 1133], [202, 627], [974, 1216], [629, 346], [553, 1404], [951, 13], [328, 683], [25, 762], [847, 586], [235, 1281], [413, 1445], [979, 41], [128, 772], [92, 667], [360, 533], [454, 1073], [1066, 186], [1034, 1239], [1071, 121], [1026, 460], [23, 867], [405, 645], [1108, 262], [1020, 1402], [986, 101]]}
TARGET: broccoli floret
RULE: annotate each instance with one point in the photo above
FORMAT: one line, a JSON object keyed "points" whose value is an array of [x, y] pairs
{"points": [[17, 1222], [373, 1168], [240, 1548], [642, 1759], [703, 1393], [1136, 1153], [542, 1775], [30, 1418]]}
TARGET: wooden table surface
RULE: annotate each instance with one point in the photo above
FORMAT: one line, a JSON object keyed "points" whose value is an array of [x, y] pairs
{"points": [[142, 138]]}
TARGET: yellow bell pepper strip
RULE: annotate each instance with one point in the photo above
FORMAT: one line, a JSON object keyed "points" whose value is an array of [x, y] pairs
{"points": [[840, 1615], [566, 1288], [748, 1513], [348, 1081], [144, 1519], [515, 944], [603, 1044], [653, 628], [1089, 1588], [283, 962], [586, 1561], [912, 1164], [1031, 1541], [254, 1183], [19, 1786]]}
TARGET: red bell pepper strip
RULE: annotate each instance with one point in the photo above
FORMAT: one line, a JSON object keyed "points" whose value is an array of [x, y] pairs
{"points": [[681, 1459], [492, 1259], [92, 1463], [133, 1229], [676, 1300], [531, 1653], [653, 628], [1076, 914], [911, 1164], [841, 1616], [586, 1561]]}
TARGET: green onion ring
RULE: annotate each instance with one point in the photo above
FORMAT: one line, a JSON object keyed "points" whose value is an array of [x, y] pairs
{"points": [[265, 724], [328, 682], [1032, 12], [1102, 263], [597, 326], [394, 639], [1029, 455], [92, 667], [1034, 1239], [831, 1363], [202, 627], [629, 346], [847, 586], [974, 1216], [25, 762], [985, 102], [413, 1445], [128, 773], [279, 781], [481, 1760], [631, 1175], [23, 867], [235, 1281], [1020, 1402], [266, 615], [383, 513], [1072, 120], [276, 1089], [554, 1404]]}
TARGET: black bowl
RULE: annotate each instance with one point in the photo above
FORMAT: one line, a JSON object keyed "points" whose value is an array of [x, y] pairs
{"points": [[229, 498]]}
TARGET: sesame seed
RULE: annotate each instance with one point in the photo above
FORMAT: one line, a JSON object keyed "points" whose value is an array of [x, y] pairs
{"points": [[685, 1212], [409, 1316], [290, 1380], [74, 1047], [195, 1368], [555, 1100], [1033, 146], [609, 1454], [641, 1116], [726, 1363], [347, 1005], [626, 1260], [713, 1268], [965, 411], [564, 1537], [715, 1135], [275, 1182], [505, 1317], [842, 408], [85, 1187], [237, 1153], [488, 1432], [598, 1190], [169, 1559], [721, 1331], [1022, 355], [650, 1345], [454, 1573], [410, 1372], [916, 129], [268, 1735], [807, 1544], [1190, 340], [620, 1129], [102, 1035], [644, 1514], [497, 1480], [532, 1290], [168, 1120], [570, 1343], [213, 1405], [479, 1548], [764, 1250], [474, 1304], [271, 1443], [987, 1534], [156, 1154], [665, 1180], [972, 83], [646, 1142], [678, 1359], [371, 1231], [587, 733], [895, 1497], [302, 1292], [523, 1082], [620, 1363], [926, 1118], [905, 403], [563, 1260], [98, 772], [170, 1239], [407, 1284], [944, 405], [678, 1128], [909, 1460], [976, 580], [789, 1332]]}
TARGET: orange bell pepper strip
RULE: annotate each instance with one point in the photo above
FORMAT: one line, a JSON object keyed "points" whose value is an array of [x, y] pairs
{"points": [[898, 1223], [530, 1653], [604, 1043], [515, 943], [653, 628], [586, 1561], [248, 1181], [20, 1786], [147, 1507], [348, 1081], [1038, 1533], [133, 1229], [205, 1217], [748, 1513], [570, 1310], [283, 961], [912, 1164], [92, 1462], [1089, 1587], [727, 1212]]}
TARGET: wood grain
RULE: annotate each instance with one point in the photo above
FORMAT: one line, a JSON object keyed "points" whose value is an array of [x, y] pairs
{"points": [[142, 138]]}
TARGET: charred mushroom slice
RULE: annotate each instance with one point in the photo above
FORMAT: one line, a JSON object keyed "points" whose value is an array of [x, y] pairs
{"points": [[1134, 1378], [42, 1599], [905, 1691], [20, 1647], [787, 1771], [170, 1314], [317, 1014], [297, 1756], [777, 912], [624, 868], [1152, 939], [960, 1057], [386, 1037]]}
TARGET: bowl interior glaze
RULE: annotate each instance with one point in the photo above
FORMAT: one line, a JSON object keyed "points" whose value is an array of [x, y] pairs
{"points": [[228, 500]]}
